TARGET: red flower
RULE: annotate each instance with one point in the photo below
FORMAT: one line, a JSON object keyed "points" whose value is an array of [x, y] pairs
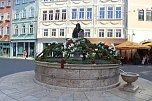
{"points": [[90, 49], [106, 46], [69, 43], [93, 61], [62, 61], [114, 61]]}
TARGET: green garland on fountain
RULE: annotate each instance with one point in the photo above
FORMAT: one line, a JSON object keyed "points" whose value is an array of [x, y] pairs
{"points": [[80, 47]]}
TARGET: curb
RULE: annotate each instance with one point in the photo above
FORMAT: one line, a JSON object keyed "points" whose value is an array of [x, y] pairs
{"points": [[20, 58]]}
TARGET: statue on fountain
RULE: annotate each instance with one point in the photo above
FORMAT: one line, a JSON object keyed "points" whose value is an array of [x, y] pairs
{"points": [[78, 32]]}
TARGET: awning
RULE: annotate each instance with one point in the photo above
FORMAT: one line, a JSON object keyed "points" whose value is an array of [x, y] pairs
{"points": [[131, 45], [148, 44]]}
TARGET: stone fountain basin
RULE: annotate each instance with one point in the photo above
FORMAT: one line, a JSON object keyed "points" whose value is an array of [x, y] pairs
{"points": [[78, 75], [129, 77]]}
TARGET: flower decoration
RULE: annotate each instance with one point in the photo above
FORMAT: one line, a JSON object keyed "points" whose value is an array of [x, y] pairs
{"points": [[93, 61]]}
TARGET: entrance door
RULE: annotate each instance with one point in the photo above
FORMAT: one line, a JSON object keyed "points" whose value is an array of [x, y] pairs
{"points": [[14, 49]]}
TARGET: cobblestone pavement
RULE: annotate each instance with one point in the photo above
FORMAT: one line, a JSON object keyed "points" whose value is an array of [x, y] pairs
{"points": [[21, 87]]}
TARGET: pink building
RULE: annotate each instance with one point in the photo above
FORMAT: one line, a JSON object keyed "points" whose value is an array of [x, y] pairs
{"points": [[5, 26]]}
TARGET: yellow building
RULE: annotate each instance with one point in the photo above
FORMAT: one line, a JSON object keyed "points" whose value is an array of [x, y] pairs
{"points": [[139, 20]]}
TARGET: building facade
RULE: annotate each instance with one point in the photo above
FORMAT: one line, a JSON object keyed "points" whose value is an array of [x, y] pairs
{"points": [[139, 20], [102, 20], [5, 26], [24, 27]]}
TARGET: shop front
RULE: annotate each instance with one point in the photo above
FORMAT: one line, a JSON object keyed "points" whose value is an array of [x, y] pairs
{"points": [[19, 47], [4, 48]]}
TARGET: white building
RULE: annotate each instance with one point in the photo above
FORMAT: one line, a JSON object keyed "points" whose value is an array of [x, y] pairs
{"points": [[102, 20]]}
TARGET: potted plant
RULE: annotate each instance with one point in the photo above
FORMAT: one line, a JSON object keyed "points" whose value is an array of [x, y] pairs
{"points": [[136, 58]]}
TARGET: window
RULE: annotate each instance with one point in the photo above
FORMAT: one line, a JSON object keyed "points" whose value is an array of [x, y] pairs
{"points": [[87, 33], [17, 14], [74, 13], [148, 15], [44, 15], [16, 30], [24, 1], [23, 29], [63, 14], [31, 29], [102, 13], [8, 16], [45, 32], [53, 32], [81, 14], [57, 14], [24, 13], [141, 15], [7, 30], [109, 33], [31, 12], [118, 12], [45, 0], [8, 3], [17, 2], [101, 32], [1, 30], [2, 4], [110, 12], [89, 13], [1, 16], [32, 0], [51, 15], [61, 32], [118, 32]]}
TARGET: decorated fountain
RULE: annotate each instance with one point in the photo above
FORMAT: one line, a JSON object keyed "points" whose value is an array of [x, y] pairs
{"points": [[78, 64]]}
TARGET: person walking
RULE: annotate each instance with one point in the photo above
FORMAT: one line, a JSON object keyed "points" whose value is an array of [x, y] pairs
{"points": [[25, 54]]}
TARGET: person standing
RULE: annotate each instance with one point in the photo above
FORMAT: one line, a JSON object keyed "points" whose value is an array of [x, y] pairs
{"points": [[25, 54]]}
